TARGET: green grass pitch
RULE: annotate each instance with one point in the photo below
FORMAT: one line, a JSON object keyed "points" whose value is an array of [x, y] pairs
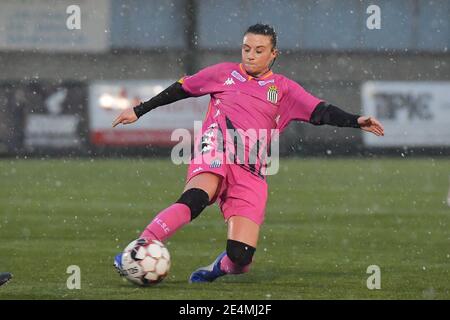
{"points": [[327, 220]]}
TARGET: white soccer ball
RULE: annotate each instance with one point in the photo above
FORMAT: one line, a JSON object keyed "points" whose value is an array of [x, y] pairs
{"points": [[148, 265]]}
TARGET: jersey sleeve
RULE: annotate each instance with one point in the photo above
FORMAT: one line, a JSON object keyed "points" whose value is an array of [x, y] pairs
{"points": [[203, 82], [298, 104]]}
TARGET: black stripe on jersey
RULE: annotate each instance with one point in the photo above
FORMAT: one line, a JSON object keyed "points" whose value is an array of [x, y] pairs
{"points": [[236, 141]]}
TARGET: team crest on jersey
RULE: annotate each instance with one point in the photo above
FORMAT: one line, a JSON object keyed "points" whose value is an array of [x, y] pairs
{"points": [[215, 164], [272, 94]]}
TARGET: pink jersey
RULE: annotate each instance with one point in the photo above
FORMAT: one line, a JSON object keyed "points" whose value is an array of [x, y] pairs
{"points": [[247, 104]]}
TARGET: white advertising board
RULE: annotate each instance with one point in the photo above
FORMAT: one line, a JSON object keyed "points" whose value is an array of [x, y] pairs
{"points": [[412, 113], [108, 98]]}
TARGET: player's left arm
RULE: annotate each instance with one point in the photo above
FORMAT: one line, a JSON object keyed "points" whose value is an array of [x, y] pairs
{"points": [[325, 113]]}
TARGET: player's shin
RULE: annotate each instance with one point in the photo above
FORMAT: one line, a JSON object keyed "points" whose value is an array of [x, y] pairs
{"points": [[167, 222]]}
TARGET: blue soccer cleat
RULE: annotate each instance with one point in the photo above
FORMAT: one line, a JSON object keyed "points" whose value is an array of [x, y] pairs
{"points": [[5, 277], [118, 264], [209, 273]]}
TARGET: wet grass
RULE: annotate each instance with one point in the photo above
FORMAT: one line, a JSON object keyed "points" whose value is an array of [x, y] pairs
{"points": [[327, 220]]}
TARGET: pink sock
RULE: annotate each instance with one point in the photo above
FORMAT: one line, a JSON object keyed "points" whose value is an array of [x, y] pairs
{"points": [[228, 266], [167, 222]]}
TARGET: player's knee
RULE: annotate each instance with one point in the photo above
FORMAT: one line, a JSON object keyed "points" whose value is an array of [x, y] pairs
{"points": [[196, 199], [239, 252]]}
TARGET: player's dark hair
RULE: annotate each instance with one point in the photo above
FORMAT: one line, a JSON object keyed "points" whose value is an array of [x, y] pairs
{"points": [[265, 30]]}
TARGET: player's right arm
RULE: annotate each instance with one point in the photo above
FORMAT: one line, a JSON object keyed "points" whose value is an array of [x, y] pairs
{"points": [[201, 83], [173, 93]]}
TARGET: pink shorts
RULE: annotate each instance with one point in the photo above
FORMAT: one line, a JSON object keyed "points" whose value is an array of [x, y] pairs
{"points": [[240, 193]]}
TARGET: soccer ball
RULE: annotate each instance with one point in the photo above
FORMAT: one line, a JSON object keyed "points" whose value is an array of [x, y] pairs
{"points": [[146, 264]]}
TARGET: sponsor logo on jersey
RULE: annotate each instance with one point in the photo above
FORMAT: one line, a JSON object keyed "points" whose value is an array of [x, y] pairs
{"points": [[262, 83], [238, 76], [228, 82], [197, 170], [272, 94]]}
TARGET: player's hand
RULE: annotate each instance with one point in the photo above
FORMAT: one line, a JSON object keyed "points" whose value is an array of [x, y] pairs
{"points": [[127, 116], [371, 124]]}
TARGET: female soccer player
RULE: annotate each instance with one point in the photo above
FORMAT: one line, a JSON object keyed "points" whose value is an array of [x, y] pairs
{"points": [[246, 95]]}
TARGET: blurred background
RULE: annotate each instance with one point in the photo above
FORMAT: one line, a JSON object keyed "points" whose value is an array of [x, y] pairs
{"points": [[62, 83]]}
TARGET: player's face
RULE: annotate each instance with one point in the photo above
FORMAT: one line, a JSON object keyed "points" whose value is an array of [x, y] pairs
{"points": [[257, 53]]}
